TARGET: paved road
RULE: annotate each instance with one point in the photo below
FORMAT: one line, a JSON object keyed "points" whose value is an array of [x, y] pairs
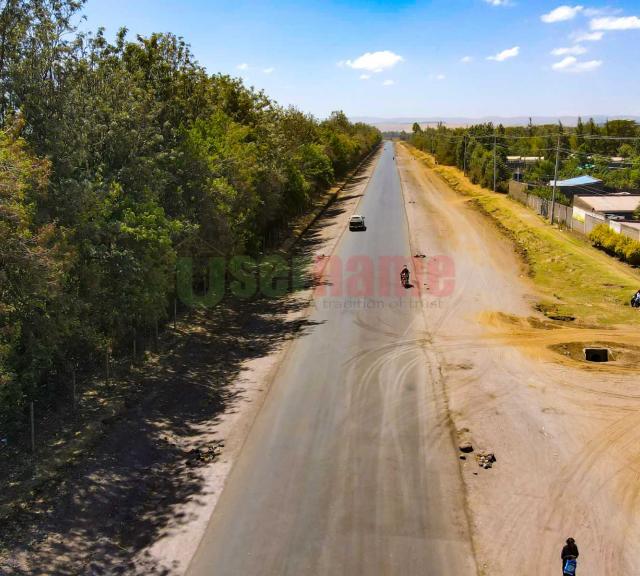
{"points": [[350, 468]]}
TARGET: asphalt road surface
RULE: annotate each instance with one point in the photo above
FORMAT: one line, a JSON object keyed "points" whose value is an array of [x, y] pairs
{"points": [[350, 467]]}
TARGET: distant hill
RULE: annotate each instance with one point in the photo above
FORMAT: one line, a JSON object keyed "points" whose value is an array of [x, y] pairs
{"points": [[400, 123]]}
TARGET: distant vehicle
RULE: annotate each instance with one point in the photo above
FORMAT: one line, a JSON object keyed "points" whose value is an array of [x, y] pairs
{"points": [[356, 222]]}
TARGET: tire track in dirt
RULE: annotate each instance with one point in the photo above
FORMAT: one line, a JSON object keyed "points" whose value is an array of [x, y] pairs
{"points": [[564, 430]]}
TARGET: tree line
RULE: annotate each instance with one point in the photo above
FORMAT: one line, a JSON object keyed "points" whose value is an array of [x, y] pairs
{"points": [[587, 148], [113, 154]]}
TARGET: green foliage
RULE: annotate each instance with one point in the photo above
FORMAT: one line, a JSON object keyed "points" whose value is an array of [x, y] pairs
{"points": [[146, 154], [472, 149], [31, 274], [581, 151], [546, 192], [616, 244]]}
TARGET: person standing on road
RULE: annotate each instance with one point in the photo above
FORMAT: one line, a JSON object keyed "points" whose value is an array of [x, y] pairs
{"points": [[569, 557]]}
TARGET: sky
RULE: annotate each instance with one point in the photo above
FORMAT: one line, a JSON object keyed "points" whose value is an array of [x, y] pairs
{"points": [[391, 59]]}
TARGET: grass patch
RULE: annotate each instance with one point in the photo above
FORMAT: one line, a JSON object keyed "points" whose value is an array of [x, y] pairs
{"points": [[574, 279]]}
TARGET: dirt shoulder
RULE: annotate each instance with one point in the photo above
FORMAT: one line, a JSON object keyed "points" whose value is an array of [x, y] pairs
{"points": [[573, 279], [561, 429], [138, 498]]}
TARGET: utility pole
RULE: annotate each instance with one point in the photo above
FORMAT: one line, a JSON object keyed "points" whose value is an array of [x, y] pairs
{"points": [[555, 180], [464, 155], [494, 161]]}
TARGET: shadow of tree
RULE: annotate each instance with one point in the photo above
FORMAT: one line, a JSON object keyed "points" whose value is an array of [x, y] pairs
{"points": [[122, 495]]}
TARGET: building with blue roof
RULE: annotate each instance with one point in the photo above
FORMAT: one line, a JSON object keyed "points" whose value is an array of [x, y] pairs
{"points": [[579, 185]]}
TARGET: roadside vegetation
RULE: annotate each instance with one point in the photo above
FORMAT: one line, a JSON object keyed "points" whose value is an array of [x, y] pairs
{"points": [[614, 244], [576, 282], [113, 155], [585, 149]]}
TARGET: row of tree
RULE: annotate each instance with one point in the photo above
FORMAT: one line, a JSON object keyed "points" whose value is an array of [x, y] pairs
{"points": [[111, 155], [587, 148]]}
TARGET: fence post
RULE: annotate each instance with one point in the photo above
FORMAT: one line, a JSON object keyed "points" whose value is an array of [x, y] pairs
{"points": [[73, 386], [175, 311], [33, 428]]}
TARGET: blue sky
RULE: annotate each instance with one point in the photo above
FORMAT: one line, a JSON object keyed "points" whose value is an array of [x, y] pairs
{"points": [[404, 59]]}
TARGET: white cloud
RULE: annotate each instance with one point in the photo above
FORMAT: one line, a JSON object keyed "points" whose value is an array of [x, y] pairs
{"points": [[243, 66], [388, 83], [373, 61], [595, 12], [440, 76], [365, 76], [466, 59], [269, 70], [499, 2], [561, 13], [505, 54], [573, 50], [587, 36], [612, 23], [572, 64]]}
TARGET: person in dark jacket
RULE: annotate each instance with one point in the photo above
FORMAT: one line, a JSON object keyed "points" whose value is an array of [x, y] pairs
{"points": [[569, 551], [404, 276]]}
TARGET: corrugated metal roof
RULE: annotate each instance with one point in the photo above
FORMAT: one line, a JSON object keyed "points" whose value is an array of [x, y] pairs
{"points": [[578, 181], [605, 204], [524, 158]]}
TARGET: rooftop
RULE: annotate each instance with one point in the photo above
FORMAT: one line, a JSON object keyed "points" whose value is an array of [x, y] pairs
{"points": [[578, 181], [611, 203]]}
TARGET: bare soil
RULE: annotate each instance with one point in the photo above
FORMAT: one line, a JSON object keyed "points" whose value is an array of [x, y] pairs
{"points": [[564, 431]]}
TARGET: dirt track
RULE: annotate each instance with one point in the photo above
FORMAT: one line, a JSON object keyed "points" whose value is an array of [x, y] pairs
{"points": [[565, 433]]}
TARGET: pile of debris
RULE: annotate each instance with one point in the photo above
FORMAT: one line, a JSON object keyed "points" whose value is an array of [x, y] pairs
{"points": [[484, 458]]}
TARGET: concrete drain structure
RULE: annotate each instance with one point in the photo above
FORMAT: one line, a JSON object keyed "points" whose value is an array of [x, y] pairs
{"points": [[597, 354]]}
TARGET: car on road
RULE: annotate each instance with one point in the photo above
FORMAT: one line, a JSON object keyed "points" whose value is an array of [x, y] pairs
{"points": [[356, 222]]}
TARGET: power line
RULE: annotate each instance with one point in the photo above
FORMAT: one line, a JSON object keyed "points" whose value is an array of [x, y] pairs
{"points": [[431, 132]]}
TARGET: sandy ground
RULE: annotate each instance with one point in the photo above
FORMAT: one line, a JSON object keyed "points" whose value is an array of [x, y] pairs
{"points": [[564, 432]]}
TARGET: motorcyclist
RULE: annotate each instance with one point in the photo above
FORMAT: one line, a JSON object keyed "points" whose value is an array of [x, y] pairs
{"points": [[635, 301], [404, 276]]}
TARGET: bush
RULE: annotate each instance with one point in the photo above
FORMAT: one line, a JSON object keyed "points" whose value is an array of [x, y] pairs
{"points": [[632, 253], [625, 248]]}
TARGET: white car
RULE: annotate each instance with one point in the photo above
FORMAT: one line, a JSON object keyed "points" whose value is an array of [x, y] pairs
{"points": [[356, 222]]}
